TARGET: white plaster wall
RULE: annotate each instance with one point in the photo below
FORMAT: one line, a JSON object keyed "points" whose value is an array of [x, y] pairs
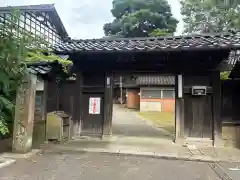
{"points": [[150, 106], [40, 85]]}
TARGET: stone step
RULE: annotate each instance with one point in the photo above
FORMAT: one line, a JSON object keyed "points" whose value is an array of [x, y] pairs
{"points": [[199, 142]]}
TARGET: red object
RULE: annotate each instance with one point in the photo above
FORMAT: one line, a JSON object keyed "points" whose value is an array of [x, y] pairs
{"points": [[94, 106]]}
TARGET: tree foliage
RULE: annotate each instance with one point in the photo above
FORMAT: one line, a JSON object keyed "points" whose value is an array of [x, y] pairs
{"points": [[210, 16], [140, 18], [17, 48]]}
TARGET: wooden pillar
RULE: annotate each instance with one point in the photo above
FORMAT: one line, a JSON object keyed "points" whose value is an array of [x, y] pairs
{"points": [[44, 113], [108, 103], [179, 109], [24, 115], [77, 110], [217, 124]]}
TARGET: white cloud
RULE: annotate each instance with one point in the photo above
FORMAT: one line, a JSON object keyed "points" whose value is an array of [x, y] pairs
{"points": [[175, 5], [85, 18]]}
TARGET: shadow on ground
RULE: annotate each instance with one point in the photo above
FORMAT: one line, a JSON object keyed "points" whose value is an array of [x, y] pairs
{"points": [[5, 145]]}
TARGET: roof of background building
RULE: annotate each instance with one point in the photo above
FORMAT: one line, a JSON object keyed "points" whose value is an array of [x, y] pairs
{"points": [[48, 8], [235, 62], [155, 80]]}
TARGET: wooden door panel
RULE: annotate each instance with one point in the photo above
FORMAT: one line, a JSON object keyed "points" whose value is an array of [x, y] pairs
{"points": [[208, 118], [92, 124], [198, 116]]}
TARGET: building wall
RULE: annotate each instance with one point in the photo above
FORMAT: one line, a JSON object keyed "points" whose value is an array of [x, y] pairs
{"points": [[161, 105], [133, 99], [231, 134], [230, 115], [38, 24], [157, 99]]}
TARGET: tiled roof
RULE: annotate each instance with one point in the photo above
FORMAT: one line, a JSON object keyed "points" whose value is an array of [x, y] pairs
{"points": [[174, 43], [39, 69], [155, 80], [44, 68], [49, 8], [235, 72], [229, 64]]}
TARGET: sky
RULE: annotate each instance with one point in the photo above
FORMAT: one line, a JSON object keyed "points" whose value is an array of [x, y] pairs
{"points": [[84, 19]]}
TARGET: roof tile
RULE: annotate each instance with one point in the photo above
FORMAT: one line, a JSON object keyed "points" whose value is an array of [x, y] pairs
{"points": [[217, 41], [155, 80]]}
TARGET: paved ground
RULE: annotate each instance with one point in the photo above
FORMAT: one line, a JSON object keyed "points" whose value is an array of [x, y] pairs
{"points": [[229, 169], [128, 123], [75, 166]]}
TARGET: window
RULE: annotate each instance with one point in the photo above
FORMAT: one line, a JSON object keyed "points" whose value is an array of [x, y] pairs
{"points": [[38, 103], [28, 21], [21, 24], [168, 94], [158, 93], [28, 28], [28, 16], [38, 27], [151, 94]]}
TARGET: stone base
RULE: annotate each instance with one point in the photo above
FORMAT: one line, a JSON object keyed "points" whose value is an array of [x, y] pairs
{"points": [[201, 142], [179, 141], [39, 134], [231, 136], [218, 143], [107, 137]]}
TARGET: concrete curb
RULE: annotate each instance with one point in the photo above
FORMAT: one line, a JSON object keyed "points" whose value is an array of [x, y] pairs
{"points": [[21, 156], [220, 171], [6, 162], [133, 153], [7, 159]]}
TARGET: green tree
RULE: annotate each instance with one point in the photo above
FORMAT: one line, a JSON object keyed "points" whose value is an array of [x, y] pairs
{"points": [[17, 48], [210, 16], [140, 18]]}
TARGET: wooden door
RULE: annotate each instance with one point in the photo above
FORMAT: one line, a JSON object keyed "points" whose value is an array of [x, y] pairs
{"points": [[198, 116], [92, 123]]}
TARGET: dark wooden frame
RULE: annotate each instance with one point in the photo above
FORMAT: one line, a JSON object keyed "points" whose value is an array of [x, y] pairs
{"points": [[55, 36], [197, 62]]}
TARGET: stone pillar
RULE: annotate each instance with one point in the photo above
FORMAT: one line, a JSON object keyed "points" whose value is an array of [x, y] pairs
{"points": [[24, 115]]}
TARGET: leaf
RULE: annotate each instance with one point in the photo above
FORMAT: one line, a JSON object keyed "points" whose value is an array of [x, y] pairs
{"points": [[3, 126], [4, 102]]}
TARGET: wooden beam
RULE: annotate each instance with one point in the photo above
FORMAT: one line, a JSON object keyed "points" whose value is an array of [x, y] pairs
{"points": [[179, 109], [217, 124], [77, 110], [108, 103], [44, 116]]}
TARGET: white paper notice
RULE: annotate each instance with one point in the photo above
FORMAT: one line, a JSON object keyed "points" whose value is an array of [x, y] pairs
{"points": [[94, 105]]}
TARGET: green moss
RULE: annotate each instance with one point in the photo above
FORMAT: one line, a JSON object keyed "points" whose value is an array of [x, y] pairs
{"points": [[225, 75], [39, 133]]}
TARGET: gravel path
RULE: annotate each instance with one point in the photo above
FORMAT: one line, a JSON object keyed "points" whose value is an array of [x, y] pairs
{"points": [[128, 123]]}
